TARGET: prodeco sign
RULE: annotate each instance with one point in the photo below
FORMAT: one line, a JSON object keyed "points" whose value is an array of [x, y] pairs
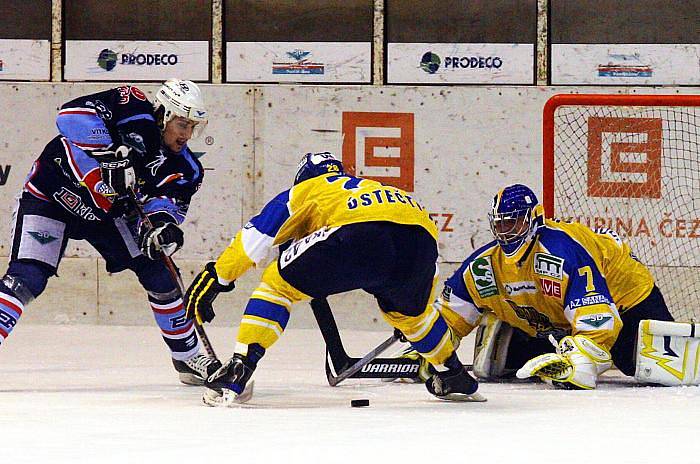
{"points": [[98, 60], [441, 63]]}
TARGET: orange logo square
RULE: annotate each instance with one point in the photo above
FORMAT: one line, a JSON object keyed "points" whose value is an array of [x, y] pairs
{"points": [[611, 144], [380, 146]]}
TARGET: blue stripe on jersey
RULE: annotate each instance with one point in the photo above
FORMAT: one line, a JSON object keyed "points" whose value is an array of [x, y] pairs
{"points": [[135, 118], [561, 244], [188, 156], [84, 129], [164, 205], [81, 161], [270, 220], [433, 337], [267, 310]]}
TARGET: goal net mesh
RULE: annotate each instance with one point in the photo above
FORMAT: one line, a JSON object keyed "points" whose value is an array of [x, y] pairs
{"points": [[636, 170]]}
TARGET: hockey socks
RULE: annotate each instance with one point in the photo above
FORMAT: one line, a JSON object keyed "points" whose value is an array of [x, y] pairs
{"points": [[10, 312], [178, 333]]}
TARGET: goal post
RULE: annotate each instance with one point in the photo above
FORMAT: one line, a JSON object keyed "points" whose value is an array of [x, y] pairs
{"points": [[631, 163]]}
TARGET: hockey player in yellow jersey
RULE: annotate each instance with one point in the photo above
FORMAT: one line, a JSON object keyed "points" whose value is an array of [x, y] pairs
{"points": [[338, 233], [544, 282]]}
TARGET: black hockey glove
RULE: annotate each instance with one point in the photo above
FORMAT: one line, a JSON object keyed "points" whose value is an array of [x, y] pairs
{"points": [[164, 238], [117, 169], [202, 292]]}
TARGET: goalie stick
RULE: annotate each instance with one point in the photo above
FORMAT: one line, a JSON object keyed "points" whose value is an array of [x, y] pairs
{"points": [[174, 274], [340, 366]]}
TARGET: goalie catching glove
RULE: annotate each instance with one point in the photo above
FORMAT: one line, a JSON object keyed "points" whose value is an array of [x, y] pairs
{"points": [[575, 366], [202, 292]]}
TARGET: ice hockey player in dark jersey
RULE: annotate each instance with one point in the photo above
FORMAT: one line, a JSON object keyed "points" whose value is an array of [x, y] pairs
{"points": [[343, 233], [109, 144]]}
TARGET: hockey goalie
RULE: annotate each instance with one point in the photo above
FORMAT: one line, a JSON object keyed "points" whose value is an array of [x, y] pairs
{"points": [[563, 303]]}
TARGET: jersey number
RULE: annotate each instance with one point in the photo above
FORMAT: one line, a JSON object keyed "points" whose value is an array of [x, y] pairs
{"points": [[350, 183], [586, 271]]}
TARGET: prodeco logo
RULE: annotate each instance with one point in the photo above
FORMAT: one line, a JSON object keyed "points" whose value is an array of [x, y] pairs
{"points": [[430, 62], [107, 59]]}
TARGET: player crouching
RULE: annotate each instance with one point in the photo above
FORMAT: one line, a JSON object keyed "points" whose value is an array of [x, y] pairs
{"points": [[544, 282], [346, 233]]}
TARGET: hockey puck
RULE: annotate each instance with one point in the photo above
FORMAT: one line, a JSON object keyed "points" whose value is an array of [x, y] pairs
{"points": [[359, 403]]}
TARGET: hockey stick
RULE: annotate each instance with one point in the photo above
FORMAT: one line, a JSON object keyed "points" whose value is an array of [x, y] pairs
{"points": [[340, 366], [173, 273]]}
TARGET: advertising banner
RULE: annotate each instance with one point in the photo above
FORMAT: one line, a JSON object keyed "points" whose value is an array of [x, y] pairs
{"points": [[466, 63], [25, 59], [348, 62], [113, 60], [448, 150], [626, 64]]}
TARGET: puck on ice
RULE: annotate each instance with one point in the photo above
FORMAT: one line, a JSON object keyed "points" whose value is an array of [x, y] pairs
{"points": [[359, 403]]}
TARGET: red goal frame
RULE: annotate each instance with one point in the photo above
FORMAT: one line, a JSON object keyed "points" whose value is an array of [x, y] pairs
{"points": [[556, 101]]}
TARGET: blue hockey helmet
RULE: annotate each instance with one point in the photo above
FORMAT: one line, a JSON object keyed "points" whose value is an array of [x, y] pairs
{"points": [[316, 164], [515, 216]]}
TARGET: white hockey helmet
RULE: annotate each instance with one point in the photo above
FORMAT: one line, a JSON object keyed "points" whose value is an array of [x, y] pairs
{"points": [[182, 98]]}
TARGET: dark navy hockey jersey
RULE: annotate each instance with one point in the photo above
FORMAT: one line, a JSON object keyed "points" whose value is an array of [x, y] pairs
{"points": [[67, 174]]}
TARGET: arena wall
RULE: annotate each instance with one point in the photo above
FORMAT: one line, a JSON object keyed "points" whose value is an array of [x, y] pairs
{"points": [[453, 147]]}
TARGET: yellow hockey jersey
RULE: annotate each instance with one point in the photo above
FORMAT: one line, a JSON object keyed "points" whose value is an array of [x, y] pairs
{"points": [[571, 280], [323, 202]]}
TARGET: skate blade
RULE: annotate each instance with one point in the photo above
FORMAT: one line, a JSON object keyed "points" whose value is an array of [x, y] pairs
{"points": [[402, 380], [475, 397], [228, 399], [190, 379]]}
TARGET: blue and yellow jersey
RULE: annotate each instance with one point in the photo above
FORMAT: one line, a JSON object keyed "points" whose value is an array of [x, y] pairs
{"points": [[326, 201], [570, 280]]}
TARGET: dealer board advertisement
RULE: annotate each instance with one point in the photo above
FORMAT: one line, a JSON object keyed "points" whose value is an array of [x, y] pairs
{"points": [[110, 60], [465, 63], [348, 62], [626, 64], [25, 59]]}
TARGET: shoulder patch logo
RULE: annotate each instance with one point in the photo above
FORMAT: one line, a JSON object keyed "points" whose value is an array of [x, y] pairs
{"points": [[42, 237], [483, 277], [548, 265], [597, 321]]}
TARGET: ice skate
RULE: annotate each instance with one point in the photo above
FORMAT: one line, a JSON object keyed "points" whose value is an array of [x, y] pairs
{"points": [[194, 371], [229, 386]]}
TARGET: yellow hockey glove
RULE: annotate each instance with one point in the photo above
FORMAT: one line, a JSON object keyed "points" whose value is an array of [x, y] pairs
{"points": [[202, 292]]}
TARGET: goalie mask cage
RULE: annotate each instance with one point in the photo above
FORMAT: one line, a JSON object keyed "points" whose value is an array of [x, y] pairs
{"points": [[631, 163]]}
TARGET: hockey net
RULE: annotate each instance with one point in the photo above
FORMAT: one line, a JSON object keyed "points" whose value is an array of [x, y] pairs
{"points": [[631, 163]]}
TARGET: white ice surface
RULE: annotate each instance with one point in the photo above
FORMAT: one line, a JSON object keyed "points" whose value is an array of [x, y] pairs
{"points": [[105, 394]]}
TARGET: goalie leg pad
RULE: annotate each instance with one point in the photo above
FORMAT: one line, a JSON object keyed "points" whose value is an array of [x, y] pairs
{"points": [[624, 351], [668, 353], [493, 338]]}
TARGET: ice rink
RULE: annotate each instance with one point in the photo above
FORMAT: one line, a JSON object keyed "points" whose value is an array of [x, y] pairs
{"points": [[104, 394]]}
